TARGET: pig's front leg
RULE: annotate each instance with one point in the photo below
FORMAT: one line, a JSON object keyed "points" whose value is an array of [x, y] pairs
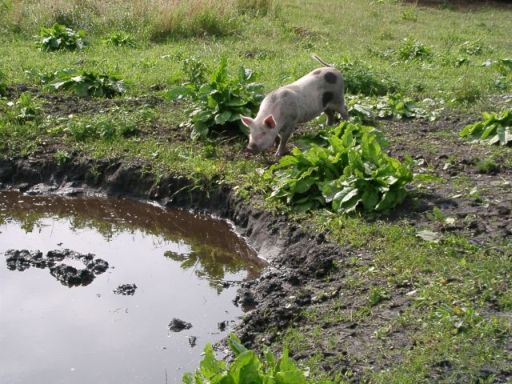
{"points": [[284, 135]]}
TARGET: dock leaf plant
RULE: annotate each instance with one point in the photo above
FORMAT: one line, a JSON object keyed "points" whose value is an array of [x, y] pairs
{"points": [[494, 128], [218, 99], [246, 368], [344, 171], [60, 37], [88, 83]]}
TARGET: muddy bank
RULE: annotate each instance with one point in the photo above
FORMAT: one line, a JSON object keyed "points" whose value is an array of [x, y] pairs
{"points": [[296, 258]]}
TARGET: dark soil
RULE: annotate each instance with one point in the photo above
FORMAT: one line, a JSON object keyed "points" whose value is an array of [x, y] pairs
{"points": [[479, 201], [55, 261]]}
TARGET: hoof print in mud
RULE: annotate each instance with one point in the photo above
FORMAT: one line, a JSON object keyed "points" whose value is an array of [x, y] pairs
{"points": [[177, 325], [125, 289], [55, 261]]}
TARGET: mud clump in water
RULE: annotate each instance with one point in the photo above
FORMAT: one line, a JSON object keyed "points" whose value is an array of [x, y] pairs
{"points": [[20, 260], [126, 289], [70, 276], [177, 325]]}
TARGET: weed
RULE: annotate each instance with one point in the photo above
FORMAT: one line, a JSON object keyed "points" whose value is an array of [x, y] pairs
{"points": [[60, 37], [487, 166], [102, 127], [471, 48], [396, 106], [466, 91], [85, 84], [23, 110], [120, 39], [61, 157], [413, 50], [409, 15], [218, 100], [245, 368], [376, 296], [351, 172], [495, 128], [361, 79]]}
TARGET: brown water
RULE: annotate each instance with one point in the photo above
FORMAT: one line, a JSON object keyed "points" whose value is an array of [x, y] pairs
{"points": [[50, 333]]}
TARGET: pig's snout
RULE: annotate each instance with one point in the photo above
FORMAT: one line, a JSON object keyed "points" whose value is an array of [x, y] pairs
{"points": [[252, 148]]}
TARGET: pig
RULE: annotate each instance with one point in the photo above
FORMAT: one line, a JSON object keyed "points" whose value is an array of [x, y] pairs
{"points": [[321, 90]]}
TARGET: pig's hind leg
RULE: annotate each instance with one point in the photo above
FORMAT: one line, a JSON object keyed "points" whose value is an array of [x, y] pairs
{"points": [[331, 116]]}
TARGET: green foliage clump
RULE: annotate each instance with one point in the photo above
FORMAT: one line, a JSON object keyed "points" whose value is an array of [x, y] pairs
{"points": [[361, 79], [218, 99], [60, 37], [120, 39], [471, 48], [412, 50], [246, 368], [106, 127], [21, 111], [494, 128], [393, 106], [88, 83], [351, 172]]}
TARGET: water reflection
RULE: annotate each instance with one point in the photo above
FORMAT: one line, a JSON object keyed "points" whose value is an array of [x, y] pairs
{"points": [[207, 246], [115, 329]]}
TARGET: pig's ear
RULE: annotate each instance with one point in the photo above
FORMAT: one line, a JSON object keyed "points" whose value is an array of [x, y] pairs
{"points": [[270, 122], [247, 121]]}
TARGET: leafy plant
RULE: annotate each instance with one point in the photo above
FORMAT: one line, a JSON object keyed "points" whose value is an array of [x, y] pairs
{"points": [[218, 100], [351, 172], [61, 157], [411, 50], [471, 48], [87, 83], [361, 79], [60, 37], [495, 128], [396, 106], [246, 368], [102, 127], [377, 295], [23, 110], [120, 39]]}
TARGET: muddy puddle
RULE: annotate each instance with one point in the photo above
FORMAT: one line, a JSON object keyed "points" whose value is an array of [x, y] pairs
{"points": [[112, 290]]}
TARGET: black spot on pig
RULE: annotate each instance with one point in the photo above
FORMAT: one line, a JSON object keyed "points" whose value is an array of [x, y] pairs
{"points": [[330, 77], [273, 98], [327, 98]]}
